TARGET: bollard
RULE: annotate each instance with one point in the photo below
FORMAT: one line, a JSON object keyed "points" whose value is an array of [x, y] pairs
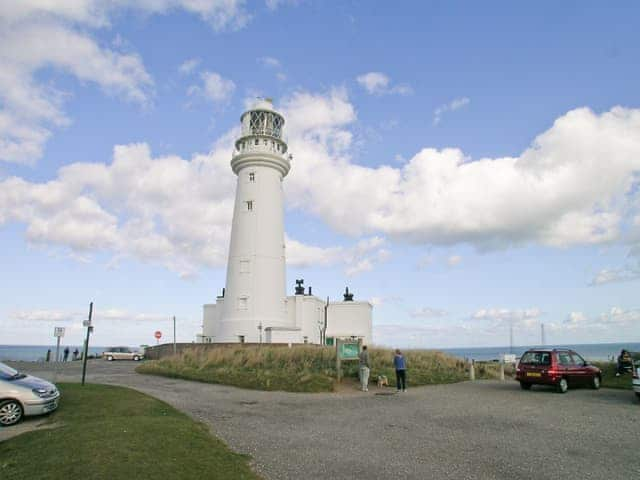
{"points": [[502, 371], [472, 372]]}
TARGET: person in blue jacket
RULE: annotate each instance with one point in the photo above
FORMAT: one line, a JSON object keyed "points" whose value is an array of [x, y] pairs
{"points": [[400, 365]]}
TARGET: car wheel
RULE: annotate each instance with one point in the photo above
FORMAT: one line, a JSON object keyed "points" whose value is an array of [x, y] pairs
{"points": [[595, 383], [136, 358], [525, 386], [563, 386], [109, 358], [10, 412]]}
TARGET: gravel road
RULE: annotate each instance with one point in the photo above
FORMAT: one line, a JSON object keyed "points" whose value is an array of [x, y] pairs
{"points": [[481, 430]]}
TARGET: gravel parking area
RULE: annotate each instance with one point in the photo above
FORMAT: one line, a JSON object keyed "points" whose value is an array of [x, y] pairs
{"points": [[480, 430]]}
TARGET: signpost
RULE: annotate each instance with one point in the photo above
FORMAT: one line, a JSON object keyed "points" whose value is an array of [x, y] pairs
{"points": [[58, 332], [346, 350], [158, 336], [85, 353]]}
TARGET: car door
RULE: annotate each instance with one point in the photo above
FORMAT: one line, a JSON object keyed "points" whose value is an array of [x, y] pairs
{"points": [[566, 367], [581, 372]]}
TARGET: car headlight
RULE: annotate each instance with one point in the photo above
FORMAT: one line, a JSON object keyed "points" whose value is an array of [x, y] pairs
{"points": [[40, 392]]}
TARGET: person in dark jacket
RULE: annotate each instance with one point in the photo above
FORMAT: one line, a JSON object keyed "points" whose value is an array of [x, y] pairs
{"points": [[400, 365], [624, 363], [66, 354]]}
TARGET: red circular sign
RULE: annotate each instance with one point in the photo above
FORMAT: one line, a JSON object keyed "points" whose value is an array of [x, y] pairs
{"points": [[158, 334]]}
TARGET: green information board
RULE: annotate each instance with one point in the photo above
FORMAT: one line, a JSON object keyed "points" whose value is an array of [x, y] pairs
{"points": [[349, 351]]}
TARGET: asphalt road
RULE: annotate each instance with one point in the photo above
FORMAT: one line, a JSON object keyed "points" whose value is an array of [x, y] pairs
{"points": [[480, 430]]}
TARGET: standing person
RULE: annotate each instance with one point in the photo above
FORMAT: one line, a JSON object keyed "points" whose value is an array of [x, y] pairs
{"points": [[66, 354], [75, 354], [48, 357], [401, 370], [364, 369]]}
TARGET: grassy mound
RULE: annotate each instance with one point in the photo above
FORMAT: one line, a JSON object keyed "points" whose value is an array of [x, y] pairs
{"points": [[115, 432], [303, 368]]}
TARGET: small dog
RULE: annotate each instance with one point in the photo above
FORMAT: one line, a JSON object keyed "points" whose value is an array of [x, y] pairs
{"points": [[382, 381]]}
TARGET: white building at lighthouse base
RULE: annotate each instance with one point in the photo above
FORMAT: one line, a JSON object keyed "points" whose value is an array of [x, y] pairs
{"points": [[305, 323]]}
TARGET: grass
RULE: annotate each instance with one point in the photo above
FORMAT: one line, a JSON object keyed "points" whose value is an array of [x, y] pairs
{"points": [[304, 369], [115, 432], [609, 379]]}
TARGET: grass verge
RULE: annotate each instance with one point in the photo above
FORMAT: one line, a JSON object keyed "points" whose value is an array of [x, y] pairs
{"points": [[609, 379], [115, 432], [304, 369]]}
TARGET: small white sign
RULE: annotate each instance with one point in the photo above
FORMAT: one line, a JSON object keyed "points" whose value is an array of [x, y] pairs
{"points": [[58, 332]]}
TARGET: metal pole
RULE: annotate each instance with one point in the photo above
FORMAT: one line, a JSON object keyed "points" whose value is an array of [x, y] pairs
{"points": [[58, 350], [502, 370], [175, 348], [472, 371], [86, 344]]}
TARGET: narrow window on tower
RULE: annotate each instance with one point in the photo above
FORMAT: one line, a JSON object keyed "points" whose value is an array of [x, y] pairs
{"points": [[243, 303], [249, 205], [252, 177]]}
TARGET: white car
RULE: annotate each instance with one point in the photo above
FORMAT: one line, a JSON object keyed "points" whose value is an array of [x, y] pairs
{"points": [[122, 353], [636, 374], [22, 395]]}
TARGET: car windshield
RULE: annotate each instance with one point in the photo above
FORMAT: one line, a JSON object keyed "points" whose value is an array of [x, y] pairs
{"points": [[8, 373], [536, 358]]}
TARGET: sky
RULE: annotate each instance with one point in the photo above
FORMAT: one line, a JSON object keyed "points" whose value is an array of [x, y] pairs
{"points": [[467, 167]]}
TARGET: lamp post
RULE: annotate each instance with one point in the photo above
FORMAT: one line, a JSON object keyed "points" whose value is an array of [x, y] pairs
{"points": [[260, 330]]}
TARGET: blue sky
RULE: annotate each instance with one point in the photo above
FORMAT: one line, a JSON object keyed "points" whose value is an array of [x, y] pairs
{"points": [[464, 166]]}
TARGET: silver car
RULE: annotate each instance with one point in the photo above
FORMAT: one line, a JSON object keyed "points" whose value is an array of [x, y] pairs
{"points": [[122, 353], [22, 395]]}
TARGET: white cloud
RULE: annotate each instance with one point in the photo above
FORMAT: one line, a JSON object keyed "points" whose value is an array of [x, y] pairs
{"points": [[269, 62], [572, 186], [560, 192], [66, 316], [625, 274], [454, 260], [503, 316], [616, 317], [214, 87], [188, 66], [35, 35], [377, 83], [452, 106], [427, 312], [357, 259]]}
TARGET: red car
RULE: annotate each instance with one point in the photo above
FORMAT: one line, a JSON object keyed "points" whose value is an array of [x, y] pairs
{"points": [[558, 367]]}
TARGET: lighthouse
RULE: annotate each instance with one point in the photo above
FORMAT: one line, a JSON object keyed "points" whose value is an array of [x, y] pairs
{"points": [[254, 306], [255, 294]]}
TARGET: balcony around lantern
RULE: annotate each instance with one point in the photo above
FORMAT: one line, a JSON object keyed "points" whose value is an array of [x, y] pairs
{"points": [[265, 145]]}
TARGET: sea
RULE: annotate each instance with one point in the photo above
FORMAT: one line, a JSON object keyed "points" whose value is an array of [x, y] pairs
{"points": [[37, 353], [590, 351]]}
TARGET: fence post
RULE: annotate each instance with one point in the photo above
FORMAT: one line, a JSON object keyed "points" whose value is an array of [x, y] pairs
{"points": [[472, 371], [502, 370]]}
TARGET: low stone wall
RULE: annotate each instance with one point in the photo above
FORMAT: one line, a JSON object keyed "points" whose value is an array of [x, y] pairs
{"points": [[157, 352]]}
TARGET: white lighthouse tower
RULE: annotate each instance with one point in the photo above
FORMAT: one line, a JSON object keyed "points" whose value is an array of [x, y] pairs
{"points": [[254, 307], [255, 291]]}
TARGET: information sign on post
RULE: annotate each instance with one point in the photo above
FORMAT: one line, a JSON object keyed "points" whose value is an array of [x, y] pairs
{"points": [[158, 336], [58, 332], [346, 350]]}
